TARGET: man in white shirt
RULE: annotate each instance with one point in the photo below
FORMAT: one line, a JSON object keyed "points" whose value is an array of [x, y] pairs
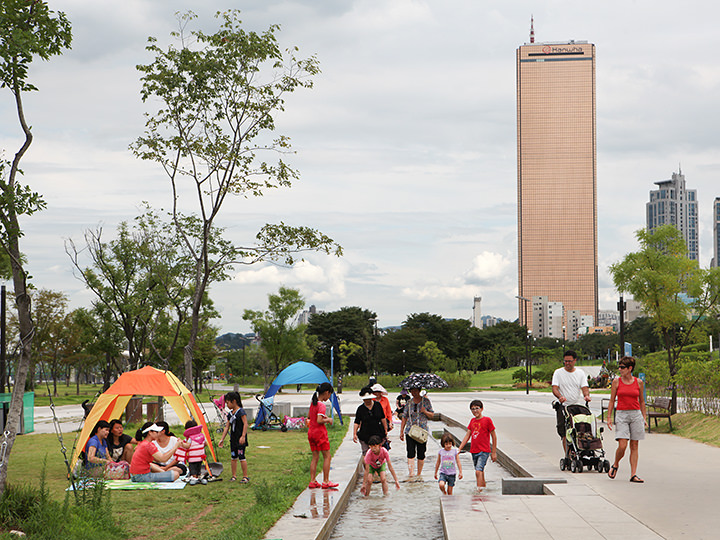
{"points": [[570, 387]]}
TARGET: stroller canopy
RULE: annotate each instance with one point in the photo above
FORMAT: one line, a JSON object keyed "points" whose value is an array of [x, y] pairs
{"points": [[302, 373]]}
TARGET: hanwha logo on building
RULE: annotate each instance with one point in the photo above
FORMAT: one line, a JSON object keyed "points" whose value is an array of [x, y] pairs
{"points": [[547, 49]]}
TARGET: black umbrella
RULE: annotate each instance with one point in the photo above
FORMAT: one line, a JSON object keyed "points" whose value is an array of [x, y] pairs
{"points": [[423, 380]]}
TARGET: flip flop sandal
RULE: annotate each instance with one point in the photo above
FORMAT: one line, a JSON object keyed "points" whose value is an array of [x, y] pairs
{"points": [[245, 480], [613, 472], [635, 479], [233, 479]]}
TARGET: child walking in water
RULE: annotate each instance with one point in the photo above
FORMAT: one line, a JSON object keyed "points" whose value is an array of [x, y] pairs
{"points": [[376, 460], [237, 425], [481, 429], [318, 436], [449, 465]]}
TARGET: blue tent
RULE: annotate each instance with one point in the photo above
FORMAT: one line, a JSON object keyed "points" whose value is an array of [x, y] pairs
{"points": [[300, 373]]}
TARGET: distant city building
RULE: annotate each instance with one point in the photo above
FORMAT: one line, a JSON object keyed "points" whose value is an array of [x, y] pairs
{"points": [[573, 322], [608, 317], [716, 233], [673, 204], [633, 310], [597, 330], [547, 318], [477, 314], [557, 156], [488, 321], [306, 315]]}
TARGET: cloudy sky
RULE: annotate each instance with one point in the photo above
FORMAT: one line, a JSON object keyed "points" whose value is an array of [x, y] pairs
{"points": [[406, 145]]}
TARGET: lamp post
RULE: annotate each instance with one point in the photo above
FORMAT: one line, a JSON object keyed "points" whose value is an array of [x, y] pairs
{"points": [[528, 367], [374, 357], [403, 362]]}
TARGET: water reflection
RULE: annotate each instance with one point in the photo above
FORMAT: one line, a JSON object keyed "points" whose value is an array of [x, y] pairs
{"points": [[414, 510]]}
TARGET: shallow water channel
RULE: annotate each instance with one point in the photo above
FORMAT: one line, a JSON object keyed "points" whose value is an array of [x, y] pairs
{"points": [[413, 510]]}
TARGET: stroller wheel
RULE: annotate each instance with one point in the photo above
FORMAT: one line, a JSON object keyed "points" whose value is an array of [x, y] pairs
{"points": [[579, 466], [283, 428], [562, 464], [606, 466], [573, 466]]}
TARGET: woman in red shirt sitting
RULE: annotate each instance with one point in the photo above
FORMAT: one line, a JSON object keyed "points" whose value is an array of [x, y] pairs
{"points": [[630, 416]]}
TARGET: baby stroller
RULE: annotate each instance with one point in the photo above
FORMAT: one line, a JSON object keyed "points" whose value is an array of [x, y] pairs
{"points": [[266, 418], [584, 440]]}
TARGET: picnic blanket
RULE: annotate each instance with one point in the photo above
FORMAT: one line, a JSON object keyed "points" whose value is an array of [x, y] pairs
{"points": [[128, 485]]}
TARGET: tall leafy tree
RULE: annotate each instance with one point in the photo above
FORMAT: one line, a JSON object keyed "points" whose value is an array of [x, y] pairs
{"points": [[281, 341], [351, 324], [217, 97], [28, 30], [673, 290]]}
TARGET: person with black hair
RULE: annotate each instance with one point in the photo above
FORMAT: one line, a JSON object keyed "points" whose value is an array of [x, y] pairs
{"points": [[166, 439], [369, 420], [147, 451], [318, 436], [120, 445], [96, 449], [237, 426]]}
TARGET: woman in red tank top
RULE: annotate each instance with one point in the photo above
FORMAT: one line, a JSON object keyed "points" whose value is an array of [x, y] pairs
{"points": [[630, 416]]}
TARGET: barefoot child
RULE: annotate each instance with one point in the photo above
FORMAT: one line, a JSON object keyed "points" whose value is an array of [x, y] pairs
{"points": [[237, 425], [318, 436], [376, 460], [481, 429], [449, 465]]}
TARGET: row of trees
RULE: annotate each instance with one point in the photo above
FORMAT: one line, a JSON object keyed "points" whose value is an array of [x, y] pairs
{"points": [[216, 97]]}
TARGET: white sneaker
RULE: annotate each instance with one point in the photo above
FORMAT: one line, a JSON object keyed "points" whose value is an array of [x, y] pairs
{"points": [[193, 481], [203, 481]]}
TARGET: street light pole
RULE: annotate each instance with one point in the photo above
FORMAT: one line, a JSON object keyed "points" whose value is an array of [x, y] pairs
{"points": [[528, 367]]}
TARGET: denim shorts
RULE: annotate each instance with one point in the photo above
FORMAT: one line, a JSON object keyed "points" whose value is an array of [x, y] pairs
{"points": [[165, 476], [480, 459], [449, 479]]}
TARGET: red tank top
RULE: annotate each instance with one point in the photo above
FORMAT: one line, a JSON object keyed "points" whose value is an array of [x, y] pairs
{"points": [[628, 396]]}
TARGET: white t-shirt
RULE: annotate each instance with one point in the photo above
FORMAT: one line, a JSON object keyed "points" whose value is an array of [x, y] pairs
{"points": [[570, 384], [170, 444]]}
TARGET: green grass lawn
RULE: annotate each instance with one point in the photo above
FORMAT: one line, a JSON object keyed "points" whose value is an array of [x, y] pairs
{"points": [[223, 509]]}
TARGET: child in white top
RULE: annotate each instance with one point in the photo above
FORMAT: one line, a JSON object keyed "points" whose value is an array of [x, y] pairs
{"points": [[448, 464]]}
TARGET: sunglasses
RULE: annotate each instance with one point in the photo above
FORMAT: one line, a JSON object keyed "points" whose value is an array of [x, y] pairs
{"points": [[622, 366]]}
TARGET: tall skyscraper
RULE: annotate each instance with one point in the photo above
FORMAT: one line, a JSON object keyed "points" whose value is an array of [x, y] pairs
{"points": [[716, 232], [557, 202], [673, 204]]}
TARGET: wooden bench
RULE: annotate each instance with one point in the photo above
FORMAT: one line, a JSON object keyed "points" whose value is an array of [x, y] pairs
{"points": [[662, 410]]}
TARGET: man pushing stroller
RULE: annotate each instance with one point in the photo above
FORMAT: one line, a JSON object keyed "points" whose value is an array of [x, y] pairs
{"points": [[570, 387]]}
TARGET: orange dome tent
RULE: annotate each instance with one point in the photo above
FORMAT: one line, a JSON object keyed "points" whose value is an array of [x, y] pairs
{"points": [[147, 381]]}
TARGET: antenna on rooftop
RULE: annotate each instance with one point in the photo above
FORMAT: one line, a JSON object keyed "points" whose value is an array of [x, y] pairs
{"points": [[532, 30]]}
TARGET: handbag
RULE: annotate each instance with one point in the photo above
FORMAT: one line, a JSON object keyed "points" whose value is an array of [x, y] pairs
{"points": [[418, 434], [117, 471]]}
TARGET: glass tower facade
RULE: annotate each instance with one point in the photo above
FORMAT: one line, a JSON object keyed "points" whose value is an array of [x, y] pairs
{"points": [[557, 199]]}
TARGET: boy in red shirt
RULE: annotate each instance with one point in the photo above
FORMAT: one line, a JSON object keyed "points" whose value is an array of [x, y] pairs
{"points": [[481, 429]]}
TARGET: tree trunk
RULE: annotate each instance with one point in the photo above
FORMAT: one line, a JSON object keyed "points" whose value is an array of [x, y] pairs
{"points": [[22, 301]]}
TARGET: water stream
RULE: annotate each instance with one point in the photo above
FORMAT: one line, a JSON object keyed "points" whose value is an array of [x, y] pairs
{"points": [[413, 510]]}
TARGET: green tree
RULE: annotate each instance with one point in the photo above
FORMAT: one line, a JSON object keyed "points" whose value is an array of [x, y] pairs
{"points": [[281, 341], [50, 331], [217, 97], [399, 351], [351, 324], [435, 358], [102, 339], [672, 289], [28, 30]]}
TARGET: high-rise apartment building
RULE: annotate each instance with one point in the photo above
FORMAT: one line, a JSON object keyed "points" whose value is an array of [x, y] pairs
{"points": [[673, 204], [547, 318], [557, 201], [716, 232]]}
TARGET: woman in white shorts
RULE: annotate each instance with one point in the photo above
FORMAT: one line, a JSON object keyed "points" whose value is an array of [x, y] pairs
{"points": [[630, 416]]}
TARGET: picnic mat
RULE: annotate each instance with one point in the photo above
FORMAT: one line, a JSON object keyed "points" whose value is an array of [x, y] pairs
{"points": [[129, 485]]}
